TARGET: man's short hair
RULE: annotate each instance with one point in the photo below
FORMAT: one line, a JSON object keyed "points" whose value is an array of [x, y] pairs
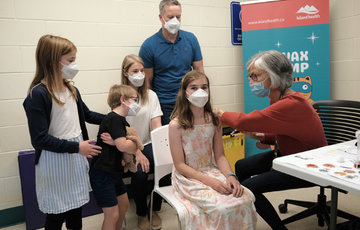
{"points": [[169, 3]]}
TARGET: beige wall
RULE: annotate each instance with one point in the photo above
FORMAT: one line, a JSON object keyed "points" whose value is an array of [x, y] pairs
{"points": [[106, 30], [345, 49]]}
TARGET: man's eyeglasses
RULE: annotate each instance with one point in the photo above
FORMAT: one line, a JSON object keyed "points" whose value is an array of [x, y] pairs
{"points": [[136, 99], [254, 77]]}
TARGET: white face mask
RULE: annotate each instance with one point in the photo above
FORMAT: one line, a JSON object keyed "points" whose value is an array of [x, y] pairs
{"points": [[173, 25], [199, 98], [134, 109], [137, 79], [69, 71]]}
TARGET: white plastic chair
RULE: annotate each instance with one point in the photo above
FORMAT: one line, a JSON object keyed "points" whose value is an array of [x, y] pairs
{"points": [[163, 164]]}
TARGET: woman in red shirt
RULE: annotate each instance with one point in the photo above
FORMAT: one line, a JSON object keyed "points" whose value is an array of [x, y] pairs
{"points": [[290, 120]]}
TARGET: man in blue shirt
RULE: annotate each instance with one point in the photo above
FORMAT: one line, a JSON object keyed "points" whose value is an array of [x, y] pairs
{"points": [[168, 55]]}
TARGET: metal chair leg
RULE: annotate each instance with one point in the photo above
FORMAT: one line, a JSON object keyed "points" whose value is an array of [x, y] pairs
{"points": [[151, 209]]}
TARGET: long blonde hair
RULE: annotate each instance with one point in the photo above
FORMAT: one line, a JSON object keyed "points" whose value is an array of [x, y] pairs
{"points": [[182, 109], [48, 55], [127, 63]]}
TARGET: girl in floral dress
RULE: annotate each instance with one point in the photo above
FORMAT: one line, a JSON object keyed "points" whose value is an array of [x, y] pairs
{"points": [[202, 177]]}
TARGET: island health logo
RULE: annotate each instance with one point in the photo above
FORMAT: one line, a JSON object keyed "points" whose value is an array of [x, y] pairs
{"points": [[311, 12], [308, 10]]}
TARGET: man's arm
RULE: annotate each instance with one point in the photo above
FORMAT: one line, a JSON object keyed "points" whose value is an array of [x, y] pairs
{"points": [[149, 75], [198, 65]]}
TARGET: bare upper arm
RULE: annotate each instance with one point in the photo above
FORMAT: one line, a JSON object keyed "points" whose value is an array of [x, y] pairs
{"points": [[218, 144], [155, 122], [175, 142]]}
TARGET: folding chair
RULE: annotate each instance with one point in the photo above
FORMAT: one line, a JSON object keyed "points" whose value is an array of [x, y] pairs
{"points": [[163, 164]]}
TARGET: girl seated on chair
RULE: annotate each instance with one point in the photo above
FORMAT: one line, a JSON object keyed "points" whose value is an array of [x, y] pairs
{"points": [[202, 177]]}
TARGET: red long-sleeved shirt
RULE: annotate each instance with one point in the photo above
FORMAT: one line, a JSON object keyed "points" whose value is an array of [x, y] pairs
{"points": [[292, 120]]}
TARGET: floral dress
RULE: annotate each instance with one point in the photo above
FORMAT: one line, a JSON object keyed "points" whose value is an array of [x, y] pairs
{"points": [[205, 208]]}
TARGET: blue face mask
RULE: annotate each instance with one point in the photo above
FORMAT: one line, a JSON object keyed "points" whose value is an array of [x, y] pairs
{"points": [[258, 89]]}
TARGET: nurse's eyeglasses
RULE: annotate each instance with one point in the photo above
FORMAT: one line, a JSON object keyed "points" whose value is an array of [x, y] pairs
{"points": [[254, 77]]}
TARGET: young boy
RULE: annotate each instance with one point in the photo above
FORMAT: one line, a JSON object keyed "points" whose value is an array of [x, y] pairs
{"points": [[106, 168]]}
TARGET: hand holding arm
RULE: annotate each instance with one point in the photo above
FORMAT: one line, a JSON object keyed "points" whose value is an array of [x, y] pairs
{"points": [[88, 150], [107, 139], [218, 112], [126, 146], [253, 135], [142, 160]]}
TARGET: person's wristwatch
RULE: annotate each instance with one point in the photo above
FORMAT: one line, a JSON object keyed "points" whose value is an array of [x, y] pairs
{"points": [[232, 174]]}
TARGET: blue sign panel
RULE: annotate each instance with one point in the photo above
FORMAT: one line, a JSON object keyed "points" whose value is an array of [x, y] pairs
{"points": [[300, 30], [236, 34]]}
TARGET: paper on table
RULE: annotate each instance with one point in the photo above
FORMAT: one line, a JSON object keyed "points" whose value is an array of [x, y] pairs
{"points": [[345, 150], [323, 161]]}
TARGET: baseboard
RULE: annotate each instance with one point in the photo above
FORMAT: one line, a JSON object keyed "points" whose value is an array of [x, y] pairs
{"points": [[12, 216]]}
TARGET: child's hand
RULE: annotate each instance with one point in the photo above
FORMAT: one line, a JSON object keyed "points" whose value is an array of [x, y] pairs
{"points": [[219, 186], [88, 150], [237, 188], [107, 139]]}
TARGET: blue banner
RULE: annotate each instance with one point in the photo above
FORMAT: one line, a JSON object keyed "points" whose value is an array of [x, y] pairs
{"points": [[300, 30]]}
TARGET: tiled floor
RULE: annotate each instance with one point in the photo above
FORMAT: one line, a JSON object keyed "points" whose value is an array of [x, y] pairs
{"points": [[169, 217], [94, 222]]}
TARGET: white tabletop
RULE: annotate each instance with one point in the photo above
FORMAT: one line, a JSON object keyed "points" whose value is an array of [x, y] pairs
{"points": [[295, 165]]}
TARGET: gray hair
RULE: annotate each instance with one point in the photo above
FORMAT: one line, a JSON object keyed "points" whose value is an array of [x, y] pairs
{"points": [[169, 3], [276, 65]]}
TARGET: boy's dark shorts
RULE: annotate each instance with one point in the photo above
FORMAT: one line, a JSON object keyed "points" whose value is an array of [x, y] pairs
{"points": [[106, 187]]}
